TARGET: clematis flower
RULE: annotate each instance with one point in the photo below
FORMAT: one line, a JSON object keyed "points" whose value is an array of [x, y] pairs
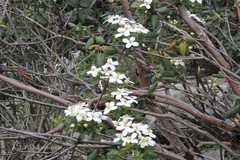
{"points": [[120, 93], [117, 78], [94, 71], [123, 31], [146, 3], [114, 19], [110, 106], [146, 141], [110, 65], [130, 42], [126, 102], [138, 28]]}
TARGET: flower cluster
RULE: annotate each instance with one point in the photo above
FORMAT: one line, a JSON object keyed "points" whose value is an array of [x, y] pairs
{"points": [[145, 3], [122, 97], [133, 133], [126, 28], [82, 113], [108, 71]]}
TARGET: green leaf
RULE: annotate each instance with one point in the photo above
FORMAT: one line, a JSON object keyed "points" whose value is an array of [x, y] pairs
{"points": [[87, 3], [89, 43], [99, 40], [149, 154], [109, 50], [162, 9], [183, 48], [2, 24], [154, 21], [231, 113], [100, 59], [113, 154], [92, 156]]}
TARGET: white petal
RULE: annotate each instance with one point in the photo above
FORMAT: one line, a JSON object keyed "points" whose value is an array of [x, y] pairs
{"points": [[132, 39], [128, 45], [125, 40], [135, 44]]}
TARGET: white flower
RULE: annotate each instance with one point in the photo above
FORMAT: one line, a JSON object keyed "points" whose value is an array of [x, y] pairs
{"points": [[111, 62], [143, 129], [126, 140], [117, 78], [107, 71], [114, 19], [134, 133], [110, 65], [124, 122], [98, 117], [130, 42], [127, 130], [73, 110], [123, 21], [138, 28], [146, 4], [82, 113], [123, 97], [120, 93], [126, 102], [110, 106], [89, 116], [123, 31], [94, 71], [118, 137], [134, 138], [146, 141]]}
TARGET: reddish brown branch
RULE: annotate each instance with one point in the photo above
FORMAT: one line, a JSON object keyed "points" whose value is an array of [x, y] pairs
{"points": [[31, 89], [189, 109], [126, 11], [208, 44]]}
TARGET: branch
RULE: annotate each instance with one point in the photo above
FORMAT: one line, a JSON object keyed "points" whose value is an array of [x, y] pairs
{"points": [[189, 109], [207, 43], [31, 89], [126, 11]]}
